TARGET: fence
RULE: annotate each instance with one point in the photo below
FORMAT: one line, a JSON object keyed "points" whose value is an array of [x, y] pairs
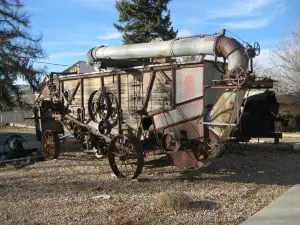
{"points": [[16, 118]]}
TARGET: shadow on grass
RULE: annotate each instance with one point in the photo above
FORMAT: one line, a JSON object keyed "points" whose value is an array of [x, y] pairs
{"points": [[203, 204], [266, 164], [163, 161]]}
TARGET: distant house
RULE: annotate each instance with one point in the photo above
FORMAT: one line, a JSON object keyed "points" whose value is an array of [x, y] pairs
{"points": [[80, 67], [289, 110]]}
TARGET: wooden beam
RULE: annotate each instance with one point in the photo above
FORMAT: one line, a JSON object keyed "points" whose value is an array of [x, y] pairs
{"points": [[73, 94]]}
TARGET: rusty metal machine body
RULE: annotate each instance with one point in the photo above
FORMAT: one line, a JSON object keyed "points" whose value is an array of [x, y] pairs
{"points": [[186, 110]]}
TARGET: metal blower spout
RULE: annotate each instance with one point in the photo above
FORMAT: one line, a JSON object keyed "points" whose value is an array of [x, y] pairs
{"points": [[223, 46]]}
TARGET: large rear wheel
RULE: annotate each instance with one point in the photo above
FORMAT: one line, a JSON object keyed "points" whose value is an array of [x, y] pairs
{"points": [[125, 156]]}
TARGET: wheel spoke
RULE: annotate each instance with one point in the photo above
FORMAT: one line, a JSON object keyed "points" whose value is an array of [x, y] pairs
{"points": [[116, 154], [50, 144]]}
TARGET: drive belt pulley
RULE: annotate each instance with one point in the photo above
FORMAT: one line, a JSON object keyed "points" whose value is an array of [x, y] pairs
{"points": [[103, 108], [99, 106]]}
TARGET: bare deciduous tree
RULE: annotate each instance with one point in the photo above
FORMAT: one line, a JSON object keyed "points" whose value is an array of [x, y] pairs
{"points": [[286, 59]]}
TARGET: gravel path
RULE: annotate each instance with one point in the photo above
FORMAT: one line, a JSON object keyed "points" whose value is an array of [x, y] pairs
{"points": [[226, 192]]}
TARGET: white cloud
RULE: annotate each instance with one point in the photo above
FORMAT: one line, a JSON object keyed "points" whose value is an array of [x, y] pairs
{"points": [[264, 58], [184, 32], [110, 35], [240, 8], [66, 54], [247, 24], [20, 81], [247, 14]]}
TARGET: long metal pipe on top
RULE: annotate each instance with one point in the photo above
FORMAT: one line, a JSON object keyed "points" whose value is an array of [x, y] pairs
{"points": [[221, 45]]}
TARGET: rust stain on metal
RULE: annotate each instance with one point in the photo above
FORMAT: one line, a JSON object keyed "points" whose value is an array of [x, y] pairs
{"points": [[226, 46], [210, 39]]}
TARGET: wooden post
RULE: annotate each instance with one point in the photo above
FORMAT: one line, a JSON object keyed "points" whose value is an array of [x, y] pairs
{"points": [[120, 104], [82, 101], [173, 93]]}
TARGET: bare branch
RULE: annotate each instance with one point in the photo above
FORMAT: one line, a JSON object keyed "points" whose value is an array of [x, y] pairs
{"points": [[286, 59]]}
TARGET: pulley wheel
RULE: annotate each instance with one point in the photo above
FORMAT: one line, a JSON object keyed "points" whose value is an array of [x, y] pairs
{"points": [[104, 127], [256, 48], [99, 106], [238, 76], [169, 142]]}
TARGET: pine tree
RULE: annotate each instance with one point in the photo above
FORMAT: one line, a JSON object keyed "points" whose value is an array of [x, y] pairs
{"points": [[143, 20], [17, 50]]}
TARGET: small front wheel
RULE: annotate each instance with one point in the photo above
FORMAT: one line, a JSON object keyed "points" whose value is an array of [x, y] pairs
{"points": [[50, 145], [125, 156]]}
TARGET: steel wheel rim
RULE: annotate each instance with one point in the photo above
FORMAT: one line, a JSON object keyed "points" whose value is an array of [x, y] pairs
{"points": [[49, 145], [125, 157], [76, 132]]}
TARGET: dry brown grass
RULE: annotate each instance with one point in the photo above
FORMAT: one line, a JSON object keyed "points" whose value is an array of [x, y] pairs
{"points": [[172, 200]]}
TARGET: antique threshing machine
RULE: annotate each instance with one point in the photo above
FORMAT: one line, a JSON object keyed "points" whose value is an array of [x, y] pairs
{"points": [[144, 101]]}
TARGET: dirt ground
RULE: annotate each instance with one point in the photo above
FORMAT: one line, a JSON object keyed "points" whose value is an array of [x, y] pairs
{"points": [[227, 192]]}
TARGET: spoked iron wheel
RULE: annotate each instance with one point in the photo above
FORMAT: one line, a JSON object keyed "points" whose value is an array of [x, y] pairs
{"points": [[169, 142], [99, 106], [125, 156], [15, 142], [77, 132], [238, 76], [50, 145], [115, 113], [102, 148], [87, 141]]}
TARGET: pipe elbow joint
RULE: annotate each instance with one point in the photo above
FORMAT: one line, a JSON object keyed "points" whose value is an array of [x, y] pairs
{"points": [[234, 51], [90, 59]]}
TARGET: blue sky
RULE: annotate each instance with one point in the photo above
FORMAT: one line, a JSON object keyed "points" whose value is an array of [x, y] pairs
{"points": [[71, 27]]}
